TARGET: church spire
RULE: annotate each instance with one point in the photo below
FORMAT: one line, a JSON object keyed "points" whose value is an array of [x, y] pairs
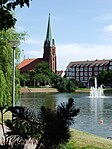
{"points": [[49, 38], [49, 32], [49, 54]]}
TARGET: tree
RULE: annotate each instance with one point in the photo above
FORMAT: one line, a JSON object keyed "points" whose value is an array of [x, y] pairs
{"points": [[2, 89], [7, 19], [32, 78], [101, 77], [43, 74], [6, 59], [24, 78], [63, 84], [105, 78], [43, 68], [49, 127], [42, 79], [108, 78]]}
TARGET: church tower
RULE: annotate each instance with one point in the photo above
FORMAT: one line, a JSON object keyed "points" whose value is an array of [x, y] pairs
{"points": [[49, 54]]}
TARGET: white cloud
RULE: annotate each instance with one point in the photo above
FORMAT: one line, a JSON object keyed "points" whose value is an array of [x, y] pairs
{"points": [[34, 41], [108, 28], [107, 33], [79, 52], [104, 17]]}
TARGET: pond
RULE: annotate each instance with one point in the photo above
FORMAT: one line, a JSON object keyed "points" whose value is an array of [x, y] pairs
{"points": [[92, 111]]}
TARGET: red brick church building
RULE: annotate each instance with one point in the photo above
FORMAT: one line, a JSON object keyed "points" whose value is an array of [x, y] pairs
{"points": [[49, 54]]}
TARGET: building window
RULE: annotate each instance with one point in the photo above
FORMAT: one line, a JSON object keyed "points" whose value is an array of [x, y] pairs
{"points": [[100, 68], [66, 69], [95, 68], [73, 74], [95, 73], [85, 69], [70, 73], [77, 69], [90, 68], [81, 69], [105, 68], [110, 67], [77, 78], [110, 63], [77, 74], [90, 73], [81, 73], [69, 69], [85, 73], [81, 78], [73, 69], [85, 78]]}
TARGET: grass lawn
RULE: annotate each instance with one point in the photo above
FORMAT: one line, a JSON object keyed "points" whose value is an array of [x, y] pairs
{"points": [[7, 115], [83, 140]]}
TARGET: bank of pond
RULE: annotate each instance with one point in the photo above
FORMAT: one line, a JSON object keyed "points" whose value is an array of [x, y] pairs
{"points": [[84, 140]]}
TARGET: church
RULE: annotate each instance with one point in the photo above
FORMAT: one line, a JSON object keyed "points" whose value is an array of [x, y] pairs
{"points": [[49, 54]]}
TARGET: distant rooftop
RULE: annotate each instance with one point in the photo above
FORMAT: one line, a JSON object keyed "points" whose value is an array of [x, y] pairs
{"points": [[88, 63]]}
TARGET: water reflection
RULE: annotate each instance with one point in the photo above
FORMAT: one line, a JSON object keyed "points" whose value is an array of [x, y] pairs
{"points": [[35, 101], [96, 105], [91, 110]]}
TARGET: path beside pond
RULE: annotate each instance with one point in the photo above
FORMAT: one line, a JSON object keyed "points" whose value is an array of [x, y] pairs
{"points": [[41, 90], [46, 90], [54, 90]]}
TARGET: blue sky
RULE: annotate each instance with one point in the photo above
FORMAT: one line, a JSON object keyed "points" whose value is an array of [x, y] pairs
{"points": [[82, 29]]}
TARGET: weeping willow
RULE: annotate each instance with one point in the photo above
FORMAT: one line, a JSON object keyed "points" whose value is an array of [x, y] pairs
{"points": [[6, 60]]}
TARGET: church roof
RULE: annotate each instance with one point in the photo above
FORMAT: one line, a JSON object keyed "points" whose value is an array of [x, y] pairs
{"points": [[29, 64]]}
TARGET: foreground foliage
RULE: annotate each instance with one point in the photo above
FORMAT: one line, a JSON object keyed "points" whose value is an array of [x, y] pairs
{"points": [[7, 19], [49, 127]]}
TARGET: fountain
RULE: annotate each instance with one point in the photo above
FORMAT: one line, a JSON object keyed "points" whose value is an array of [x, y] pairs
{"points": [[96, 92]]}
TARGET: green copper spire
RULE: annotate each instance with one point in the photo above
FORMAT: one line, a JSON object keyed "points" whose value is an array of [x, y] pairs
{"points": [[49, 33]]}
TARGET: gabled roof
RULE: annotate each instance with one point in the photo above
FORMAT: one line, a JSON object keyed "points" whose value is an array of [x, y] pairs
{"points": [[29, 64], [26, 62], [88, 63], [79, 63]]}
